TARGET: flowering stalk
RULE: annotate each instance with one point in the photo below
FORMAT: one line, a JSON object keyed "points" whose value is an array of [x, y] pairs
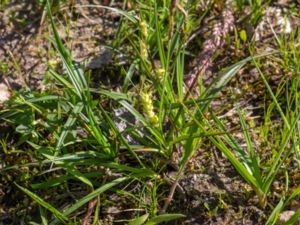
{"points": [[160, 73], [215, 42], [144, 51], [143, 45], [144, 29], [147, 103], [171, 18]]}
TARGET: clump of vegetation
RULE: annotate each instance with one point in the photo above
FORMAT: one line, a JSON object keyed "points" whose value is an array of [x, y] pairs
{"points": [[69, 150]]}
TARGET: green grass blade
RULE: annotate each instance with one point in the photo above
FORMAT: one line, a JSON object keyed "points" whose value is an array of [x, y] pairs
{"points": [[51, 183], [230, 140], [115, 95], [45, 98], [43, 216], [61, 217], [91, 196], [294, 218], [119, 135], [235, 162], [140, 220], [70, 122], [275, 213], [272, 94], [59, 180], [162, 54], [278, 162], [254, 159], [164, 218], [134, 171], [243, 171], [225, 77], [179, 75], [76, 174], [62, 81], [295, 193], [129, 16], [140, 117]]}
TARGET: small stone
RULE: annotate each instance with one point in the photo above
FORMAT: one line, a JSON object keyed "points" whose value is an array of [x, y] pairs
{"points": [[112, 210], [285, 216], [4, 93], [102, 59]]}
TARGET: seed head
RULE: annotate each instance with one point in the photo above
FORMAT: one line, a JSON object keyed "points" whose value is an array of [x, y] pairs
{"points": [[144, 28], [147, 103], [160, 73], [144, 51]]}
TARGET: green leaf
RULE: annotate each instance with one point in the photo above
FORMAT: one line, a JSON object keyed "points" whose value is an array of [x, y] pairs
{"points": [[140, 220], [70, 122], [275, 213], [46, 205], [134, 171], [272, 172], [91, 196], [254, 159], [243, 35], [23, 129], [79, 176], [164, 218], [80, 84], [280, 206], [141, 118], [180, 74], [272, 94], [59, 180], [129, 16], [51, 183]]}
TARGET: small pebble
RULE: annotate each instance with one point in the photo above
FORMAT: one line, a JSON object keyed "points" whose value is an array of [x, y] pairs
{"points": [[4, 93], [285, 216]]}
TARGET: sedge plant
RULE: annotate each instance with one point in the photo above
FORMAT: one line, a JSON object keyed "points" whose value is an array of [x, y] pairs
{"points": [[174, 120], [83, 135]]}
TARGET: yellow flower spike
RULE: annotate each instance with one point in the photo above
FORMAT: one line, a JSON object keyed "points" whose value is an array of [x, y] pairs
{"points": [[144, 51], [53, 63], [161, 73], [154, 119], [144, 29], [147, 103]]}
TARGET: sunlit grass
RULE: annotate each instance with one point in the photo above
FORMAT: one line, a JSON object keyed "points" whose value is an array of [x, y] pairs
{"points": [[71, 131]]}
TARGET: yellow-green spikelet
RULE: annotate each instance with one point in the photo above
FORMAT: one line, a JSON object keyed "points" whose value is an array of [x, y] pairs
{"points": [[147, 103]]}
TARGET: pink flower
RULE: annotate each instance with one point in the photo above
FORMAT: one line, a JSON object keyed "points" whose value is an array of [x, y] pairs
{"points": [[210, 46]]}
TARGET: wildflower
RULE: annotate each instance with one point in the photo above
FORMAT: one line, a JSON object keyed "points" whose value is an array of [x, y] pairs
{"points": [[211, 45], [147, 103]]}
